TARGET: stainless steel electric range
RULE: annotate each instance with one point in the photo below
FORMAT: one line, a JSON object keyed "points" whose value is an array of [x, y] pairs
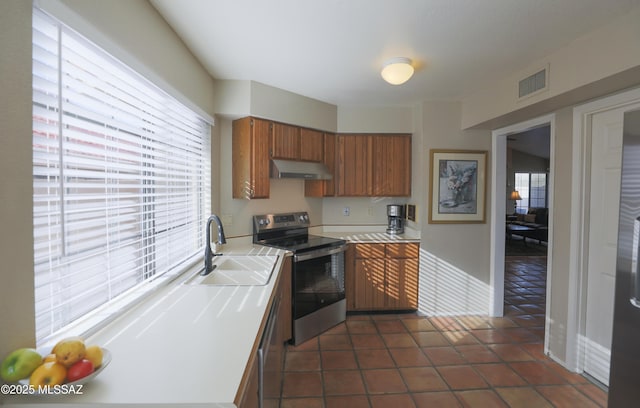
{"points": [[318, 271]]}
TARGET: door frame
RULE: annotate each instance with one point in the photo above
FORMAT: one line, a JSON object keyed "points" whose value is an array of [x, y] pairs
{"points": [[498, 211], [579, 245]]}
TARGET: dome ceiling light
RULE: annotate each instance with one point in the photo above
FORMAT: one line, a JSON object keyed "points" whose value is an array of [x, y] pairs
{"points": [[397, 71]]}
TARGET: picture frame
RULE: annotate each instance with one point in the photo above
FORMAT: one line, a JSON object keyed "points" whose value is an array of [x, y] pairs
{"points": [[457, 186]]}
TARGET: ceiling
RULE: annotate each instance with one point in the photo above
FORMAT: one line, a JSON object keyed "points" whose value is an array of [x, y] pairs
{"points": [[535, 142], [333, 50]]}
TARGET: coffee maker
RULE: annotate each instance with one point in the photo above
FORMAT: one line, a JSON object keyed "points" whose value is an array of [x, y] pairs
{"points": [[395, 215]]}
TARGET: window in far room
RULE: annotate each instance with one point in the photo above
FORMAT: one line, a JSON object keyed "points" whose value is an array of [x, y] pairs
{"points": [[533, 191]]}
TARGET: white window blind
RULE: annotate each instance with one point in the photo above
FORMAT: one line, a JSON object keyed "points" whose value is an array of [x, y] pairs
{"points": [[121, 178]]}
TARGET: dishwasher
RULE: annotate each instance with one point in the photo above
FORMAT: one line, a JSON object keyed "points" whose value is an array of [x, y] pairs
{"points": [[270, 360]]}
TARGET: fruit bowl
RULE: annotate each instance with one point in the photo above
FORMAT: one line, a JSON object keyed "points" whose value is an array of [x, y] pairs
{"points": [[106, 359]]}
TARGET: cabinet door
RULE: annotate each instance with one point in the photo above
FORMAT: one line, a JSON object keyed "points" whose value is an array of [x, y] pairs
{"points": [[285, 142], [260, 159], [369, 284], [324, 188], [311, 145], [391, 165], [401, 283], [354, 165], [250, 154]]}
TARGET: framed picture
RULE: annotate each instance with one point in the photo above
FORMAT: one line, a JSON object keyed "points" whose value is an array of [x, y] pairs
{"points": [[457, 186]]}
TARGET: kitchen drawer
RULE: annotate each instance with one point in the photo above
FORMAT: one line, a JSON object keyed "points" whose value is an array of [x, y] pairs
{"points": [[406, 250], [370, 250]]}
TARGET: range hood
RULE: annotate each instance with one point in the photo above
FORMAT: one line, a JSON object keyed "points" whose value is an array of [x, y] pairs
{"points": [[300, 170]]}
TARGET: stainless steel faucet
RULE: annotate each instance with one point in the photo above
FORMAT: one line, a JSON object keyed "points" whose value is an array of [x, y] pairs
{"points": [[208, 253]]}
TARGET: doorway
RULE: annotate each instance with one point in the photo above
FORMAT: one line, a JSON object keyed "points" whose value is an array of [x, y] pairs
{"points": [[498, 210]]}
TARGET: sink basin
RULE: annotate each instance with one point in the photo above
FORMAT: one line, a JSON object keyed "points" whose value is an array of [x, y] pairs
{"points": [[241, 270]]}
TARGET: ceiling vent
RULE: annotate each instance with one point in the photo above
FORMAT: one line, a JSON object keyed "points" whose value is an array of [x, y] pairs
{"points": [[533, 84]]}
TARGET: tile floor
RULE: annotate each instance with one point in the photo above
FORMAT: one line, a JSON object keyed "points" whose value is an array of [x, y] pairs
{"points": [[406, 360]]}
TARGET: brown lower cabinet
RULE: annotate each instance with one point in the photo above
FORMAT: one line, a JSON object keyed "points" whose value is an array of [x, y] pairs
{"points": [[247, 396], [382, 276]]}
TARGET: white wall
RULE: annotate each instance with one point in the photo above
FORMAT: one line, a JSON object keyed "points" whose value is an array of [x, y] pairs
{"points": [[600, 57], [454, 260], [17, 324]]}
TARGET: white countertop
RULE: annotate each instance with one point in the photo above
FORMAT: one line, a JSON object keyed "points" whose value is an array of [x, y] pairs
{"points": [[186, 345], [364, 234]]}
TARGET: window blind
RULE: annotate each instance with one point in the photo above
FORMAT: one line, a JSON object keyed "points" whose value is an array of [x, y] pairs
{"points": [[121, 177]]}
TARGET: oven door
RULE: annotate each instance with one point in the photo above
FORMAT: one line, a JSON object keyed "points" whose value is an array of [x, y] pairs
{"points": [[318, 280]]}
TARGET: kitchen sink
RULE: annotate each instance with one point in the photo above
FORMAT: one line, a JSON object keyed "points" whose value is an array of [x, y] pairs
{"points": [[239, 270]]}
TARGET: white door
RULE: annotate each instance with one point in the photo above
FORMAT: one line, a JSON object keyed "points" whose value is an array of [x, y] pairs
{"points": [[606, 158]]}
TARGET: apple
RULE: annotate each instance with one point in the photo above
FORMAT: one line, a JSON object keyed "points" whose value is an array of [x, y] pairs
{"points": [[51, 373], [79, 370], [20, 364]]}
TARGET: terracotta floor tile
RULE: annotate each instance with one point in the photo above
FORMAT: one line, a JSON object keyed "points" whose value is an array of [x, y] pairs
{"points": [[337, 329], [565, 396], [593, 392], [537, 373], [523, 397], [418, 325], [536, 350], [462, 377], [474, 322], [343, 382], [570, 377], [398, 340], [311, 344], [390, 326], [403, 360], [492, 336], [335, 342], [440, 356], [501, 322], [302, 403], [429, 339], [499, 375], [374, 358], [460, 337], [347, 401], [338, 360], [523, 335], [392, 400], [409, 357], [443, 399], [511, 352], [480, 399], [420, 379], [383, 381], [361, 327], [367, 341], [477, 354], [302, 384], [445, 323], [302, 361]]}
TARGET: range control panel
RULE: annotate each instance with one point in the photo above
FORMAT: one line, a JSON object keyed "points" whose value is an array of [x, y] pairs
{"points": [[279, 221]]}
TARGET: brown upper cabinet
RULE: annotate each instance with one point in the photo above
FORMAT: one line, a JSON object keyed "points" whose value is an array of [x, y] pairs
{"points": [[324, 188], [374, 165], [285, 142], [391, 165], [311, 145], [250, 153], [295, 143]]}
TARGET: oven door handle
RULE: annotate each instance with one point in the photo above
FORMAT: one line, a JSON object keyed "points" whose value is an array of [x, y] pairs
{"points": [[305, 256]]}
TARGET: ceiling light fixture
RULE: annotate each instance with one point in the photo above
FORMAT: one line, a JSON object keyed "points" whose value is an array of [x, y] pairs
{"points": [[397, 71]]}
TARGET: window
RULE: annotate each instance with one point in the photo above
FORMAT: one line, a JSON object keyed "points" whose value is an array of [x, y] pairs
{"points": [[533, 191], [121, 179]]}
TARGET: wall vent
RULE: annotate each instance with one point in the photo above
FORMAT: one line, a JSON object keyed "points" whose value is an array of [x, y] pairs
{"points": [[533, 83]]}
